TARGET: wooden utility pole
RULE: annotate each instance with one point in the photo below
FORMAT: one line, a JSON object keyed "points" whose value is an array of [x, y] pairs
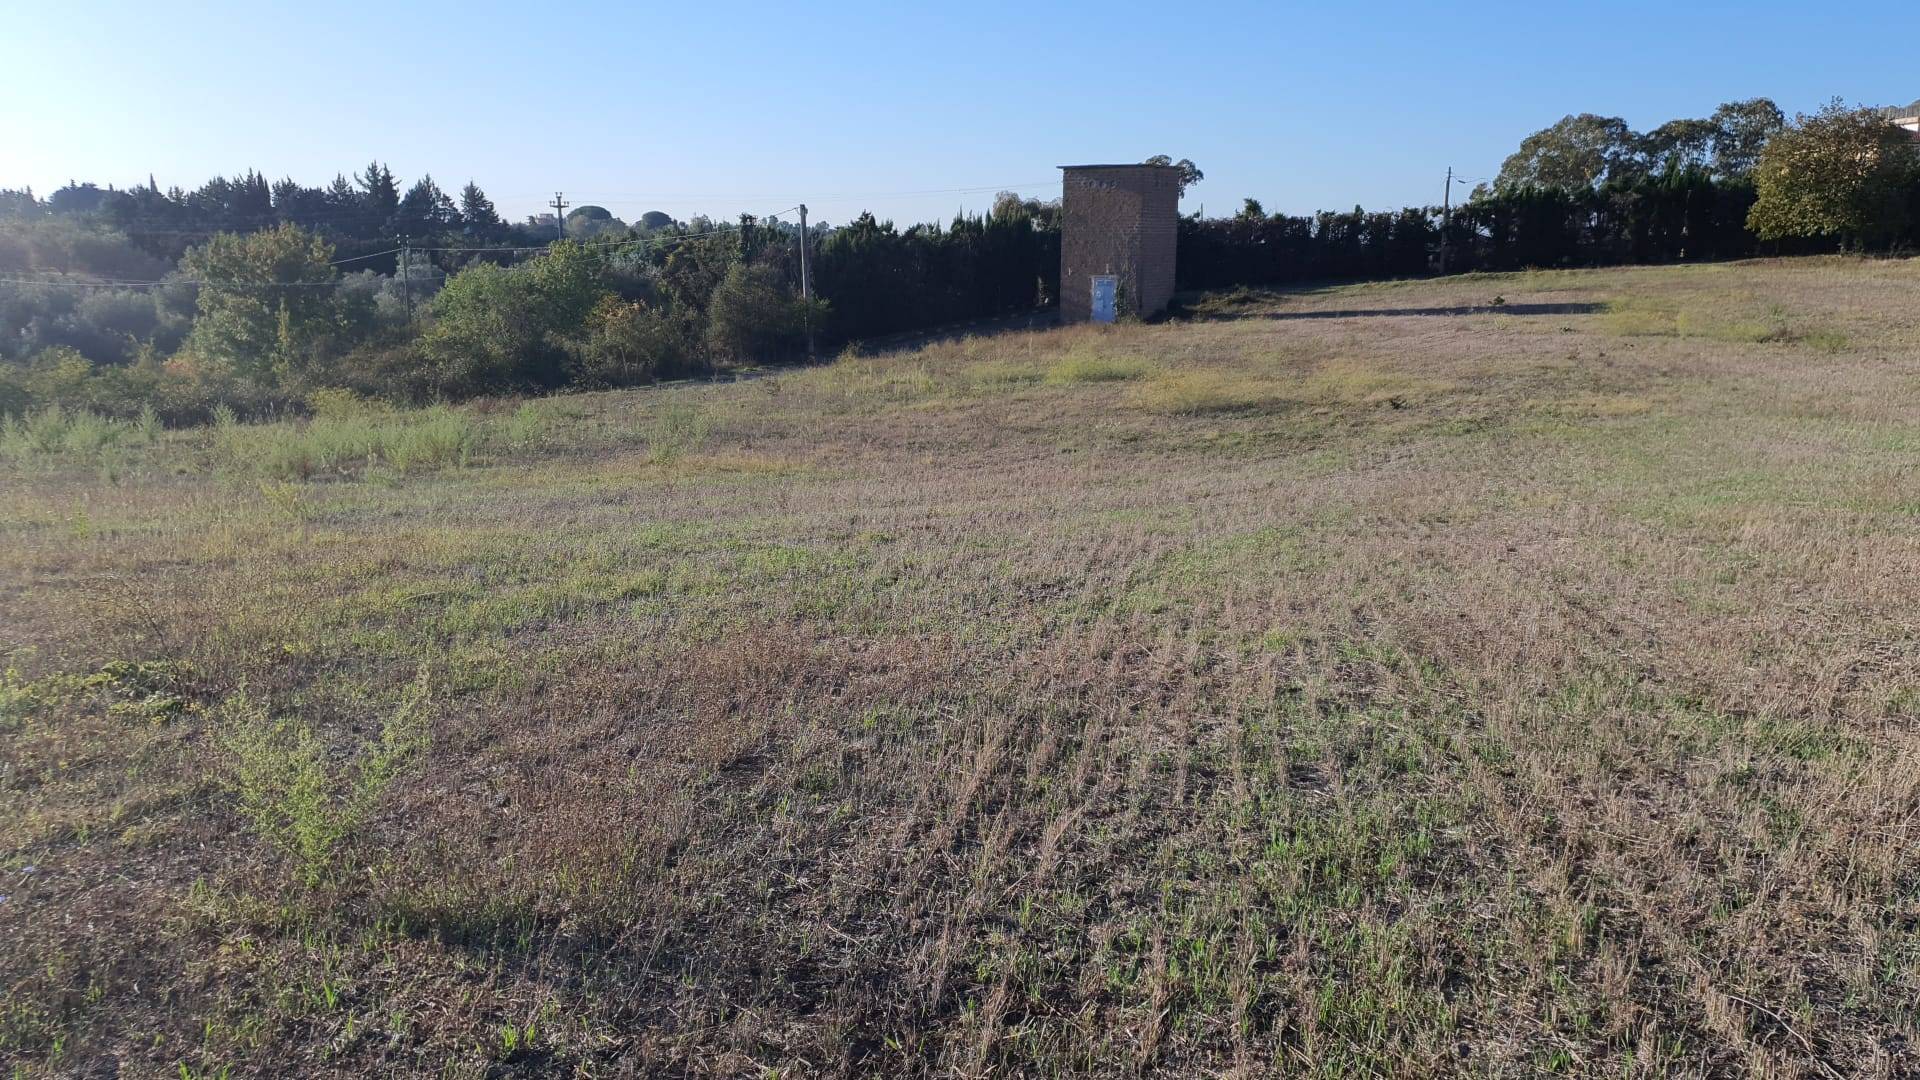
{"points": [[1446, 215], [806, 281], [406, 274], [559, 205]]}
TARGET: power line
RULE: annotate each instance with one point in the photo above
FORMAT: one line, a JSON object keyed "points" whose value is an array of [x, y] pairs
{"points": [[334, 284], [807, 195], [358, 258]]}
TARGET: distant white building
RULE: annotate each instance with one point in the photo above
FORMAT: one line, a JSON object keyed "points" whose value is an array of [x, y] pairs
{"points": [[1905, 116]]}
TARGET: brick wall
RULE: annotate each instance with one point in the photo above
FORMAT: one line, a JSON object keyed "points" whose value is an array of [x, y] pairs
{"points": [[1121, 220]]}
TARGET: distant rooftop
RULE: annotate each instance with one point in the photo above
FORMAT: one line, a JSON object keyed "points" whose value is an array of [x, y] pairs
{"points": [[1120, 165]]}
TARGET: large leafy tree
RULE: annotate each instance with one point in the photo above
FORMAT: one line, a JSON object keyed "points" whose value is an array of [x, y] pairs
{"points": [[691, 269], [266, 300], [1577, 152], [1678, 145], [1841, 172], [570, 279], [1586, 150], [1190, 173], [1741, 130], [586, 222]]}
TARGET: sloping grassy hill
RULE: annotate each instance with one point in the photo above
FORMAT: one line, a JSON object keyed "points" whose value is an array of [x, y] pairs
{"points": [[1489, 676]]}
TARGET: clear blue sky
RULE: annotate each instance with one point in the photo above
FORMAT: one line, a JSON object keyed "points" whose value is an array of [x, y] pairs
{"points": [[723, 107]]}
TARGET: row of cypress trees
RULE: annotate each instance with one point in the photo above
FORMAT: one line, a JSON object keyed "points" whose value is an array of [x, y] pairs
{"points": [[1681, 216]]}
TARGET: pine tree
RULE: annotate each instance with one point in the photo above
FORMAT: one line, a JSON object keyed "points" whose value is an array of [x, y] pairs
{"points": [[379, 194], [425, 209], [252, 200], [477, 211], [341, 194]]}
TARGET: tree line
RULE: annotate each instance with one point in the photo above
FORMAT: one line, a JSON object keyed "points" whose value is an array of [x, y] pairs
{"points": [[253, 295], [1590, 191]]}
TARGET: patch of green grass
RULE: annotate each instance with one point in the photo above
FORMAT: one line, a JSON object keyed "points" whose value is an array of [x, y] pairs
{"points": [[1002, 375], [347, 444], [1191, 393], [1723, 321], [1347, 382], [865, 383], [1084, 366]]}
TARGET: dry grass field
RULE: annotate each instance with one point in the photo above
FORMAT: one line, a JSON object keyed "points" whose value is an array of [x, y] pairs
{"points": [[1375, 681]]}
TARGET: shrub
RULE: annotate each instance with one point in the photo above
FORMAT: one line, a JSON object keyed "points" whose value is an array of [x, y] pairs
{"points": [[497, 329], [488, 333], [15, 398], [334, 402], [629, 343], [272, 305], [148, 425]]}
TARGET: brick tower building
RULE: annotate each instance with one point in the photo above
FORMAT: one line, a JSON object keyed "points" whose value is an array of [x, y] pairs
{"points": [[1118, 224]]}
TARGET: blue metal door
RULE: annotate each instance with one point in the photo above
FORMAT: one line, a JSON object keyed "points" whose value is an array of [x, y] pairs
{"points": [[1105, 286]]}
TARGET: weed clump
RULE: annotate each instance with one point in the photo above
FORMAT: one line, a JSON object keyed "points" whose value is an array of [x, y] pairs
{"points": [[290, 791], [342, 443], [76, 434], [677, 430], [527, 426]]}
